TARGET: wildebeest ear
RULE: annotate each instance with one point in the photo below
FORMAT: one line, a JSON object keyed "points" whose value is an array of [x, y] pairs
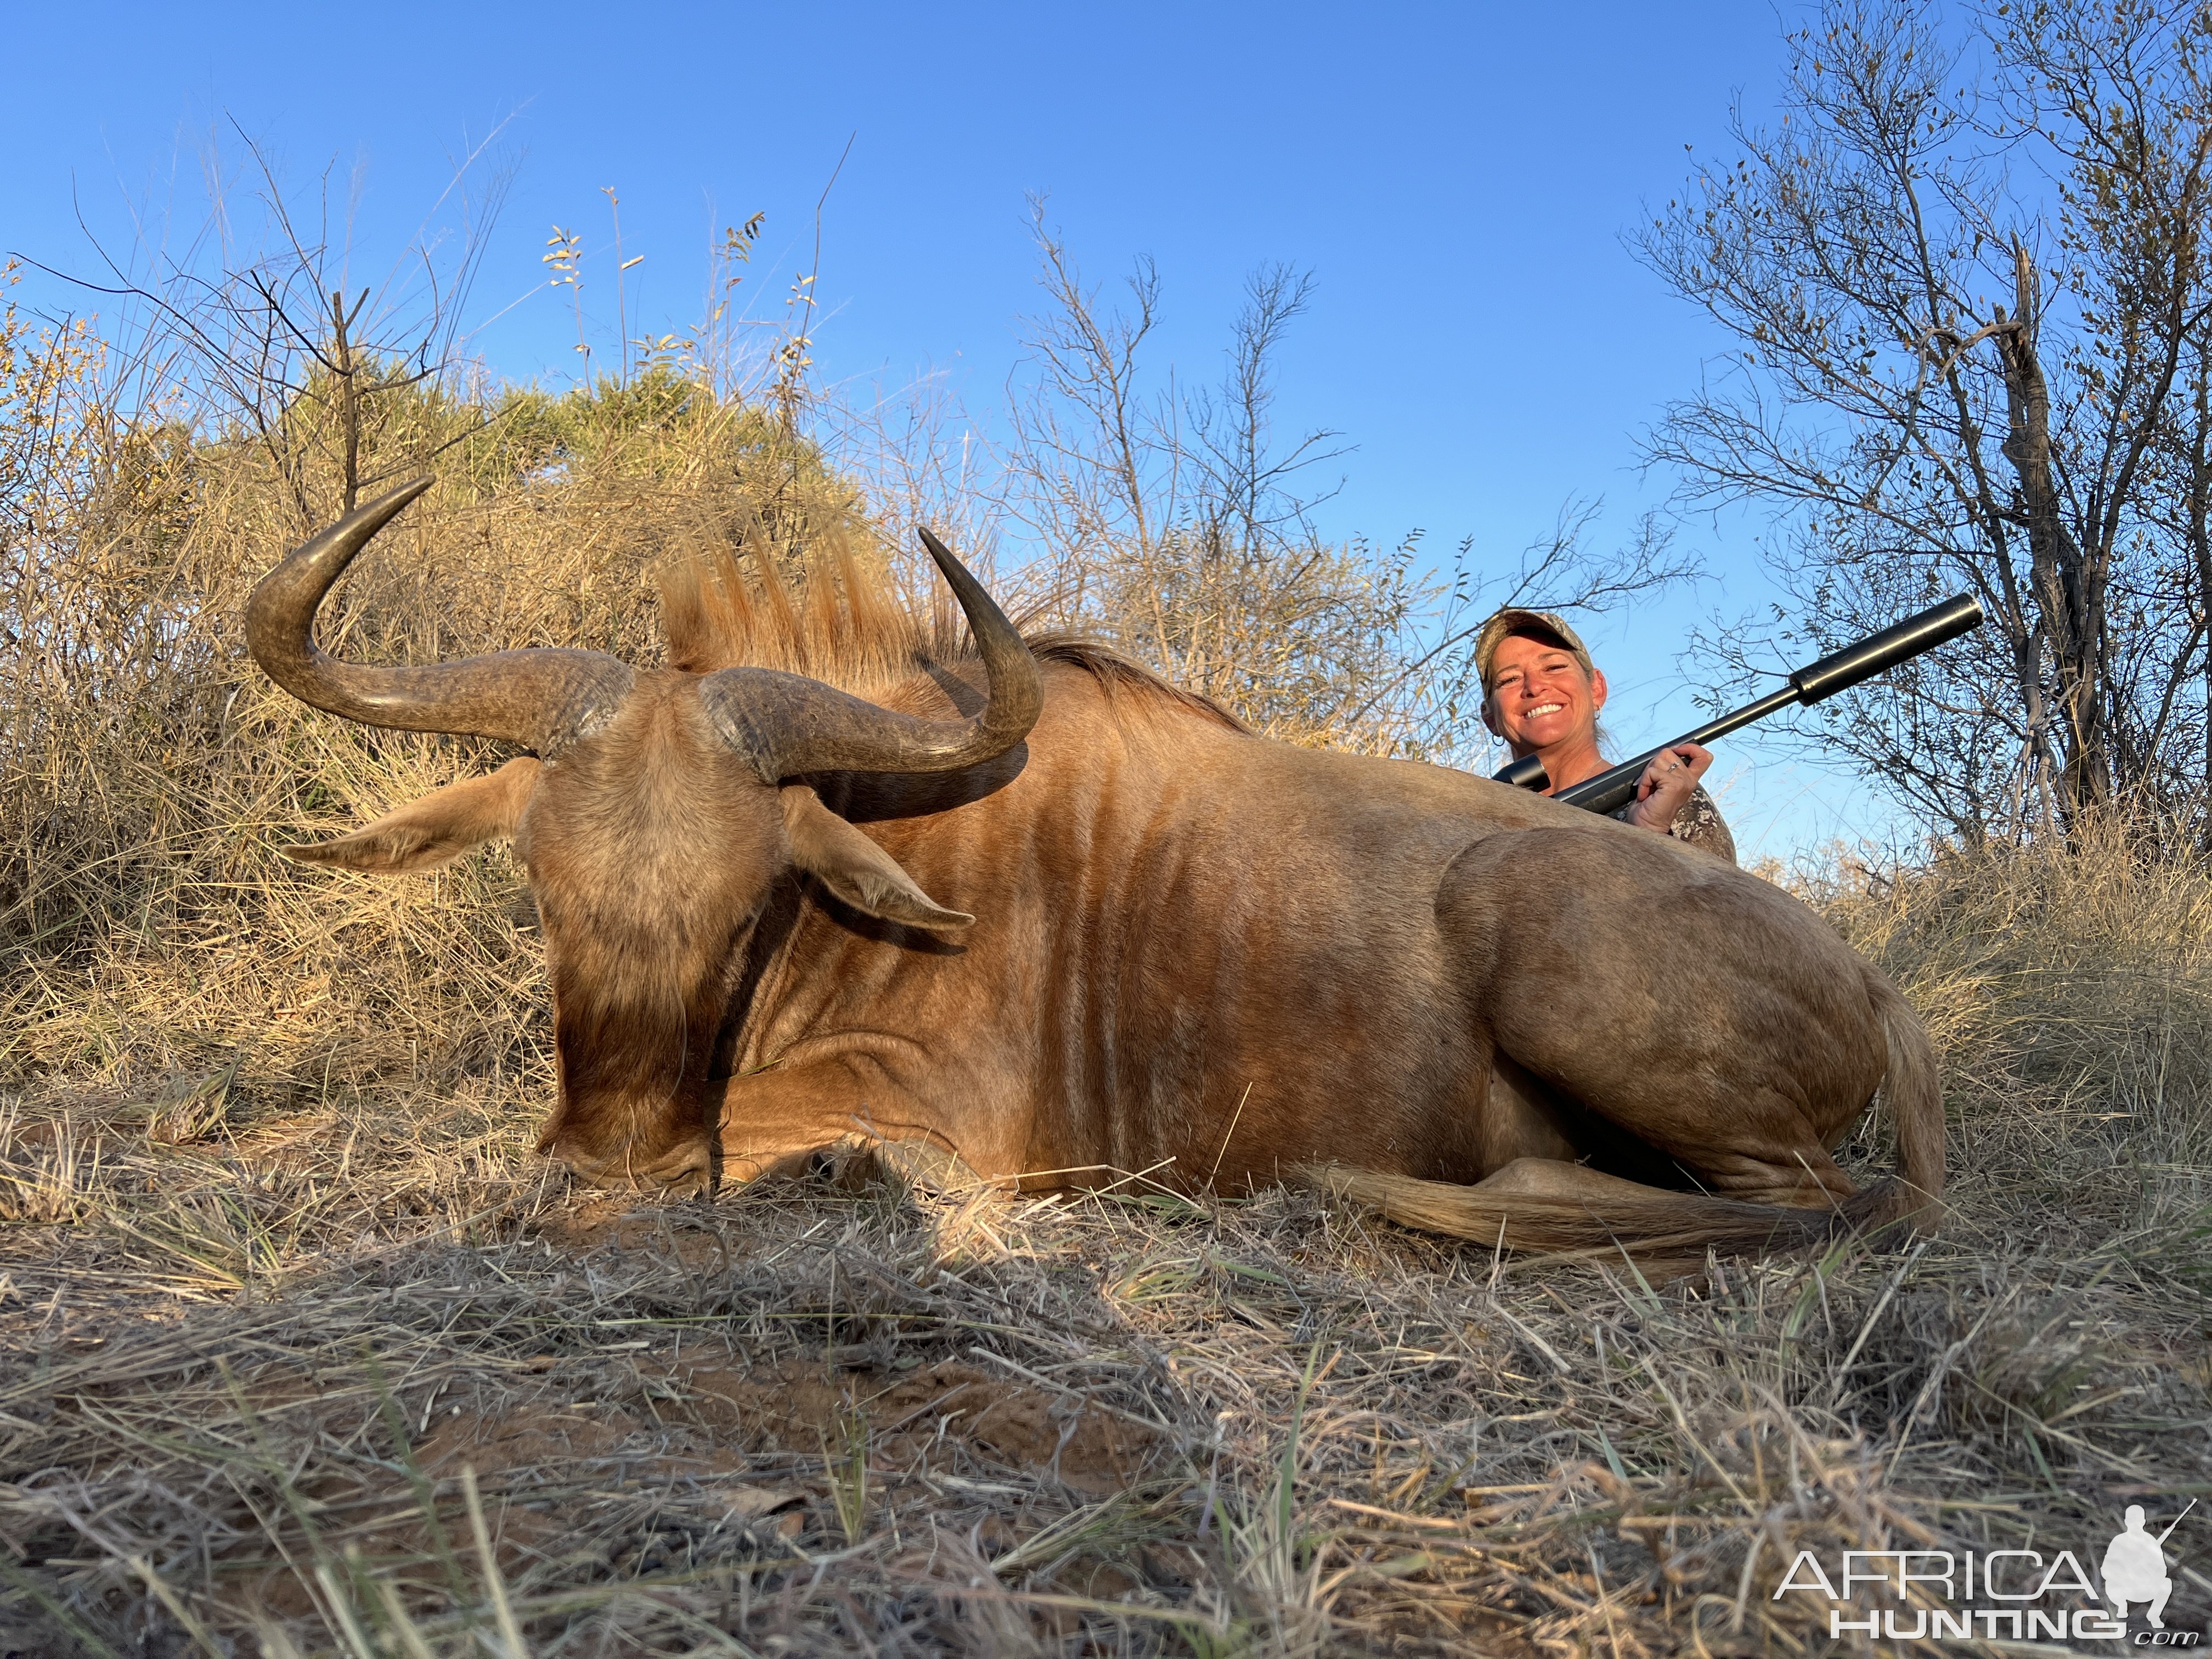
{"points": [[435, 829], [854, 868]]}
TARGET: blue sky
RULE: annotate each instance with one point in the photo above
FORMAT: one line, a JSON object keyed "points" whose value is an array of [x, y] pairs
{"points": [[1456, 178]]}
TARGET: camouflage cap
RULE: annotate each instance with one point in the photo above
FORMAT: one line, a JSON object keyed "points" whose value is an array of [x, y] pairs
{"points": [[1545, 625]]}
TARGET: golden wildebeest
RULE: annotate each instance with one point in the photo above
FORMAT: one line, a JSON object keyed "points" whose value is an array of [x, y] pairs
{"points": [[1192, 952]]}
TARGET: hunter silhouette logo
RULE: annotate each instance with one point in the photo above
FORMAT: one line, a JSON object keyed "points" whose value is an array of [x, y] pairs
{"points": [[2135, 1566], [2000, 1594]]}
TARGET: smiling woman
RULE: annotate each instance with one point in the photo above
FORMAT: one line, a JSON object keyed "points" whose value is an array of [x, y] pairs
{"points": [[1541, 694]]}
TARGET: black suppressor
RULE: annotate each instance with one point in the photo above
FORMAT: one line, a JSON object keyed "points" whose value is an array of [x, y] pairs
{"points": [[1610, 791]]}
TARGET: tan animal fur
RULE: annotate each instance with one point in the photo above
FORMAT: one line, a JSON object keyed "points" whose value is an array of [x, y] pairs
{"points": [[1146, 939]]}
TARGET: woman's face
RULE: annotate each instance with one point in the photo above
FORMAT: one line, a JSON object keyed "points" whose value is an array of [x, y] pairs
{"points": [[1540, 697]]}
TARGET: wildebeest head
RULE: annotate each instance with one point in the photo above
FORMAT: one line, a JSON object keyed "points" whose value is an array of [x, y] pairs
{"points": [[655, 812]]}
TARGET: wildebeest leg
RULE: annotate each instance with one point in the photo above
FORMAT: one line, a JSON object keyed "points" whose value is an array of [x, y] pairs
{"points": [[1712, 1022], [772, 1117], [1523, 1120]]}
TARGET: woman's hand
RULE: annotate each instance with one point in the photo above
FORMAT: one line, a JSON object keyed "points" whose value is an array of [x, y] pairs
{"points": [[1668, 784]]}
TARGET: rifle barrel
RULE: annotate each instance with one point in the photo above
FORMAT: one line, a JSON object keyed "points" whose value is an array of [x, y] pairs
{"points": [[1879, 653], [2176, 1522], [1614, 788]]}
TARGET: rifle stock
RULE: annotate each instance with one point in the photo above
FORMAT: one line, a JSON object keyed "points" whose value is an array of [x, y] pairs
{"points": [[1839, 671]]}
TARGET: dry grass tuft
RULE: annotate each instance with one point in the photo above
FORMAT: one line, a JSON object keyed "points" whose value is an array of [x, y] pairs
{"points": [[2070, 990]]}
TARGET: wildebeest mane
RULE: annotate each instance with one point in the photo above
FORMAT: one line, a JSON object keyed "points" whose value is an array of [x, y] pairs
{"points": [[1126, 684], [847, 624]]}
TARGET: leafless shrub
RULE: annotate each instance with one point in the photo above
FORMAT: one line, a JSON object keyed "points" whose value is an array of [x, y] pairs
{"points": [[1174, 522]]}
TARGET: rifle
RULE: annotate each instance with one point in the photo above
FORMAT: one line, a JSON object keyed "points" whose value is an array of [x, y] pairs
{"points": [[2176, 1522], [1612, 789]]}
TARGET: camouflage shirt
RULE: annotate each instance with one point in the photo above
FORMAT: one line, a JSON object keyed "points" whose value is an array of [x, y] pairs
{"points": [[1698, 824]]}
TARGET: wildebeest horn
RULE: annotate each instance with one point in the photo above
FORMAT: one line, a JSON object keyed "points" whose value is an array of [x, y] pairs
{"points": [[789, 725], [544, 699]]}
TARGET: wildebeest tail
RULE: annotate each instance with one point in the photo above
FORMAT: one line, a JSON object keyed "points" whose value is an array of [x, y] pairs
{"points": [[1568, 1210], [1913, 1093]]}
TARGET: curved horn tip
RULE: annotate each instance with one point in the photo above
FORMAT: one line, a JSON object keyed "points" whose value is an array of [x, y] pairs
{"points": [[353, 530], [938, 550], [966, 587], [391, 501]]}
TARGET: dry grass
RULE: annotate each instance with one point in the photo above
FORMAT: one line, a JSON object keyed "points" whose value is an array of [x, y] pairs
{"points": [[254, 1376], [2070, 991], [304, 1351]]}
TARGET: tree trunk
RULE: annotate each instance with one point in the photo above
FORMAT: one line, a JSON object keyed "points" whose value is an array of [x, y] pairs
{"points": [[2067, 593]]}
